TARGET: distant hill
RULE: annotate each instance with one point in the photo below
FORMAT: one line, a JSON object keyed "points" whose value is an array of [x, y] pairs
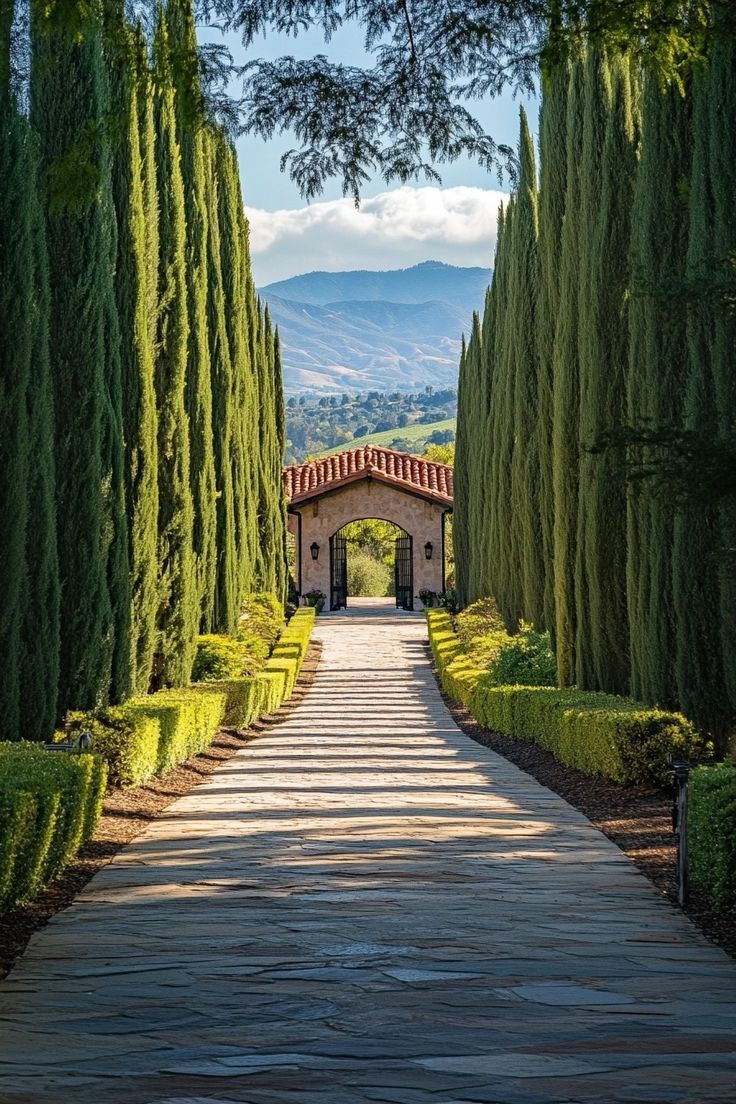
{"points": [[414, 436], [395, 330]]}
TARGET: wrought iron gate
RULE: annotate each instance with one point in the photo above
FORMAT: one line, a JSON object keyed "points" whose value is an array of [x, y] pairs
{"points": [[404, 574], [338, 572]]}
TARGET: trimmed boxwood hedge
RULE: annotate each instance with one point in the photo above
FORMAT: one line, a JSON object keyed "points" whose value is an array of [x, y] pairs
{"points": [[599, 734], [149, 735], [49, 806], [712, 832]]}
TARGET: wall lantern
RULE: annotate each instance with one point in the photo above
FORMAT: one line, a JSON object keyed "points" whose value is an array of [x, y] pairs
{"points": [[428, 550], [314, 549]]}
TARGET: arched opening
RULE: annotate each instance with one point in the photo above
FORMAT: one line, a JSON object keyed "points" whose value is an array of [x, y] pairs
{"points": [[371, 558]]}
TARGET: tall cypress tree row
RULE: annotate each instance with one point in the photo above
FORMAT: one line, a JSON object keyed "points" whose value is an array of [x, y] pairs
{"points": [[277, 463], [130, 88], [69, 104], [179, 607], [565, 403], [17, 301], [603, 630], [192, 139], [657, 377], [525, 537], [552, 186]]}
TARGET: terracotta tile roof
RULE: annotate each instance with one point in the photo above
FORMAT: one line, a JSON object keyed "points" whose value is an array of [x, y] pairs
{"points": [[303, 481]]}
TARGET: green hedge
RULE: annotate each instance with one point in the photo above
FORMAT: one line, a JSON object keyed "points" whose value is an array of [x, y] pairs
{"points": [[149, 735], [712, 832], [599, 734], [457, 672], [50, 804]]}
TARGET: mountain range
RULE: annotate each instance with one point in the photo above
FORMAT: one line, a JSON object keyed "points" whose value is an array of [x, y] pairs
{"points": [[396, 330]]}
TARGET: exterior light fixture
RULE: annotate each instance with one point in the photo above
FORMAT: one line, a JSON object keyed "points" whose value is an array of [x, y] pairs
{"points": [[314, 549], [428, 550]]}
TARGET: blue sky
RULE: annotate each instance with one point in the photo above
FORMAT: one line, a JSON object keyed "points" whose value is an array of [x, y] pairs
{"points": [[395, 226]]}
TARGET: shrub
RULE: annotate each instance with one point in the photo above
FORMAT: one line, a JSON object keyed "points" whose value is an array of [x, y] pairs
{"points": [[712, 832], [218, 657], [523, 660], [316, 599], [150, 734], [128, 742], [479, 619], [188, 722], [599, 734], [367, 575], [50, 804], [262, 617]]}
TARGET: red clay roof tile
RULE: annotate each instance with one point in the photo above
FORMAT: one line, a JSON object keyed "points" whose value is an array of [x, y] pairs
{"points": [[306, 480]]}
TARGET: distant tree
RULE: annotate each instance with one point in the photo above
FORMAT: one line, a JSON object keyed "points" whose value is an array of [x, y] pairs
{"points": [[441, 437]]}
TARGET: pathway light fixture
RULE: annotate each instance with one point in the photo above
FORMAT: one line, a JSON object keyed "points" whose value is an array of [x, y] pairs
{"points": [[314, 549], [428, 548]]}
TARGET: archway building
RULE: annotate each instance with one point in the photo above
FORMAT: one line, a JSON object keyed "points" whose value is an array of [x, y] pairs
{"points": [[325, 495]]}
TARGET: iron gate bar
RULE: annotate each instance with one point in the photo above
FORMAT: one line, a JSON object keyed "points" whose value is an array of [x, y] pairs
{"points": [[404, 573], [338, 572]]}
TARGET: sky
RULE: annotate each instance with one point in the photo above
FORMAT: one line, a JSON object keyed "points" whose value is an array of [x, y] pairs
{"points": [[395, 226]]}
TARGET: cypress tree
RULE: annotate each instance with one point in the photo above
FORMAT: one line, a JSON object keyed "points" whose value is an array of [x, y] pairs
{"points": [[192, 140], [466, 492], [525, 538], [16, 350], [270, 504], [225, 412], [722, 171], [495, 542], [483, 578], [277, 465], [505, 574], [130, 88], [565, 403], [179, 610], [699, 660], [69, 104], [245, 326], [39, 676], [115, 517], [601, 614], [656, 378], [553, 180], [462, 481]]}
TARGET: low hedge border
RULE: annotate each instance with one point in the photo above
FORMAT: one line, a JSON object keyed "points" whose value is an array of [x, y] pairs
{"points": [[599, 734], [711, 832], [149, 735], [50, 804]]}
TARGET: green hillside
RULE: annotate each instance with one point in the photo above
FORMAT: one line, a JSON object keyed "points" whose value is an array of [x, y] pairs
{"points": [[415, 436]]}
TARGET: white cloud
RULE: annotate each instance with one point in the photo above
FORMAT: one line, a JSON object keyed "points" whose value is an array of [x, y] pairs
{"points": [[392, 230]]}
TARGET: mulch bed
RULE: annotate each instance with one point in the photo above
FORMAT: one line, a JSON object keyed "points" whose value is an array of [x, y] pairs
{"points": [[638, 819], [126, 813]]}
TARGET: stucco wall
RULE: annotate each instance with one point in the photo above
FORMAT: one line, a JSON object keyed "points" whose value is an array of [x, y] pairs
{"points": [[369, 498]]}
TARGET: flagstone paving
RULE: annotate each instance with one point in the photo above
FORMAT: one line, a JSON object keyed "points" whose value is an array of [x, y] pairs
{"points": [[365, 905]]}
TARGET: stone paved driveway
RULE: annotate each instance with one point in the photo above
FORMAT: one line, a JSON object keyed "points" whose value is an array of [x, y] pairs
{"points": [[365, 905]]}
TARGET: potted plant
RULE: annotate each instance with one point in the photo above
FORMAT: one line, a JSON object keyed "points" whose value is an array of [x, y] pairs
{"points": [[427, 596], [316, 598]]}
